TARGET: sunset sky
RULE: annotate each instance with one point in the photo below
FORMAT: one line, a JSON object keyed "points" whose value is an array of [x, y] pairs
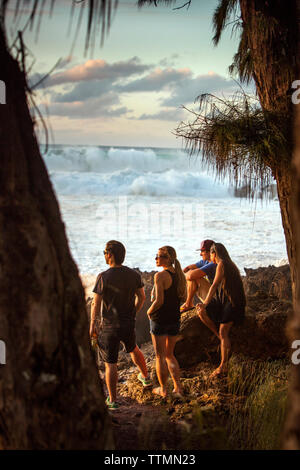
{"points": [[130, 91]]}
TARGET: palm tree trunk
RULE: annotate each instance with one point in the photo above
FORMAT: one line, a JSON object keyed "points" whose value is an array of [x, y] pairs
{"points": [[50, 392]]}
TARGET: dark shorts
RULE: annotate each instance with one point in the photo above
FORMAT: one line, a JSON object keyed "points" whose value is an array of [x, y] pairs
{"points": [[161, 330], [224, 312], [109, 342]]}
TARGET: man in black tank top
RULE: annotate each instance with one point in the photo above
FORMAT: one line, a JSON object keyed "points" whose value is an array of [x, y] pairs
{"points": [[119, 294]]}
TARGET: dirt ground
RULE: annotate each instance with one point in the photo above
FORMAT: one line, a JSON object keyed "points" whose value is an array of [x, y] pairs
{"points": [[145, 421]]}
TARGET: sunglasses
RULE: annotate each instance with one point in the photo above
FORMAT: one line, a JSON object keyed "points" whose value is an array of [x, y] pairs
{"points": [[161, 256], [105, 252]]}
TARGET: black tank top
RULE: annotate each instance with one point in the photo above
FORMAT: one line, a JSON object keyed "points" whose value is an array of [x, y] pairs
{"points": [[169, 312]]}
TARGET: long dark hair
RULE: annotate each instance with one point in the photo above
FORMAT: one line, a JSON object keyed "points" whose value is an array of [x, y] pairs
{"points": [[232, 283]]}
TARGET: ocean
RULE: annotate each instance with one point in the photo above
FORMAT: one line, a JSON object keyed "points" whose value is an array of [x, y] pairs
{"points": [[150, 197]]}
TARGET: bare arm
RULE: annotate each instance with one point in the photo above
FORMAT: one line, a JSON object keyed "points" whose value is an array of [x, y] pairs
{"points": [[159, 293], [139, 299], [189, 267], [95, 311], [217, 281], [194, 274]]}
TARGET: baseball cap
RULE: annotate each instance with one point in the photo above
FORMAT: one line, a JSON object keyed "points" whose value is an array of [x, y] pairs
{"points": [[205, 245]]}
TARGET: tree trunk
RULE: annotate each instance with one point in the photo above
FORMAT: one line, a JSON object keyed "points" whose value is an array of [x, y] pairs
{"points": [[285, 183], [291, 435], [51, 396]]}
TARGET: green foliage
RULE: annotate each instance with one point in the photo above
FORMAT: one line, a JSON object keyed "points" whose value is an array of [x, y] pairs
{"points": [[236, 138], [257, 414]]}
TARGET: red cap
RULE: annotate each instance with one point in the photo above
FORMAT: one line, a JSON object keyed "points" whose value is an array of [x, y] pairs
{"points": [[205, 245]]}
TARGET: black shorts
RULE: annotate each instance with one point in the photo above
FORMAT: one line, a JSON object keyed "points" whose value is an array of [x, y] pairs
{"points": [[171, 329], [224, 312], [109, 342]]}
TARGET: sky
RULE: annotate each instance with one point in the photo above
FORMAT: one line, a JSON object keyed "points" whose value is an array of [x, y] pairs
{"points": [[131, 91]]}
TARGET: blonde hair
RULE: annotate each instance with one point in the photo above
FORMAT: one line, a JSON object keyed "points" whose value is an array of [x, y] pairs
{"points": [[181, 280]]}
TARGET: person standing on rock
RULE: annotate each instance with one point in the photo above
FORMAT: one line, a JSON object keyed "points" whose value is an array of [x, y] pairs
{"points": [[119, 294], [199, 276], [225, 302], [164, 314]]}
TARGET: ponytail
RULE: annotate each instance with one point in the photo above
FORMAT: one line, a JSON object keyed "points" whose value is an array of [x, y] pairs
{"points": [[181, 281]]}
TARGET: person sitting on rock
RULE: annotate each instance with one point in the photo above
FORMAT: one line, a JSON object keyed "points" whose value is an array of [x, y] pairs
{"points": [[119, 292], [225, 302], [199, 276], [164, 314]]}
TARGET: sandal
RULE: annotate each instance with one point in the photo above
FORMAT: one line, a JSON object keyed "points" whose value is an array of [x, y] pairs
{"points": [[112, 405], [145, 381]]}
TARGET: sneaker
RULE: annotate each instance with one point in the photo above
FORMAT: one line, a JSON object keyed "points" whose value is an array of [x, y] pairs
{"points": [[112, 405], [146, 382]]}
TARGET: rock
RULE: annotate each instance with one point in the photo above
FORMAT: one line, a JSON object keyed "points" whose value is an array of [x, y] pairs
{"points": [[263, 333], [272, 281], [245, 191], [142, 320]]}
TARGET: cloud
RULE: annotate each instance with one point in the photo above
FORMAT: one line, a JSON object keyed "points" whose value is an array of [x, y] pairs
{"points": [[157, 80], [164, 115], [186, 91], [100, 89], [98, 70], [104, 106], [84, 91]]}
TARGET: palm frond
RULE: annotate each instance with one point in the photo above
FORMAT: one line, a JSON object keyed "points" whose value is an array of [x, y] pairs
{"points": [[141, 3], [236, 139], [223, 12], [99, 13]]}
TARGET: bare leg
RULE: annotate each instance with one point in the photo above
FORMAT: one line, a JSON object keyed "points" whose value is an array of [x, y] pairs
{"points": [[225, 348], [138, 359], [209, 323], [172, 363], [192, 287], [111, 379], [159, 344], [203, 287]]}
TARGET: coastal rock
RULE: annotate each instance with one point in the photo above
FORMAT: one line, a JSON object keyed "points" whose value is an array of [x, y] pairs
{"points": [[142, 320], [272, 281], [262, 335], [245, 191]]}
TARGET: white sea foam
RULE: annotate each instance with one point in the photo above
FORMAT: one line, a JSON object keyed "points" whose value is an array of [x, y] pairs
{"points": [[114, 171]]}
